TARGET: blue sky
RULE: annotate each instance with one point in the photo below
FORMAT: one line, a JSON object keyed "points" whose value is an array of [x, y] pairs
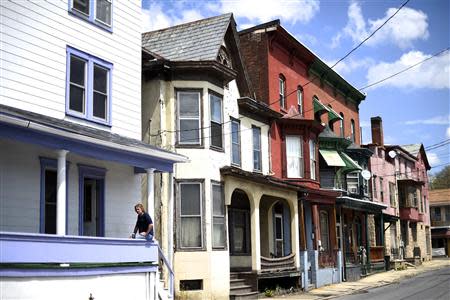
{"points": [[414, 106]]}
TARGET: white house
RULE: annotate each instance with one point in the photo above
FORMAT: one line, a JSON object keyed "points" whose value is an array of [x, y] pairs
{"points": [[70, 153]]}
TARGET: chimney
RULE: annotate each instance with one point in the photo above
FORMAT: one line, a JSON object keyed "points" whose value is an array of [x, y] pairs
{"points": [[377, 131]]}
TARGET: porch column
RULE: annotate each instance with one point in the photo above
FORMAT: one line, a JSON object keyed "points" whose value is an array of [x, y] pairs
{"points": [[366, 219], [151, 196], [255, 236], [296, 235], [61, 193], [382, 231], [170, 225]]}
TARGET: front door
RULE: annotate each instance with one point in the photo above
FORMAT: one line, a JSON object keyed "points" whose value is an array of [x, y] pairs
{"points": [[91, 207], [279, 236]]}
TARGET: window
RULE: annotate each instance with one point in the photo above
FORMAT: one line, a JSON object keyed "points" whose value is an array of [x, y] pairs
{"points": [[352, 128], [341, 126], [282, 87], [235, 142], [191, 285], [330, 122], [98, 12], [437, 214], [190, 226], [294, 156], [447, 213], [256, 148], [300, 100], [414, 194], [216, 121], [218, 227], [189, 121], [353, 182], [88, 87], [381, 190], [324, 230], [392, 194], [374, 187], [413, 231], [312, 159]]}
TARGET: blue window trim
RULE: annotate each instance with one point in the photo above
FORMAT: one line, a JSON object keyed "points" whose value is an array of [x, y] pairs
{"points": [[90, 61], [91, 17], [50, 164], [85, 171]]}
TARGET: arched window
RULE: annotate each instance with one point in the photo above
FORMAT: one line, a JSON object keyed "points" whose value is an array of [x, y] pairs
{"points": [[282, 90], [330, 122], [324, 230], [352, 128], [341, 125], [300, 100]]}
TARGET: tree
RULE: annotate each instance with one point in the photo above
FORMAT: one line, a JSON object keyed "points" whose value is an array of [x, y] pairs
{"points": [[441, 180]]}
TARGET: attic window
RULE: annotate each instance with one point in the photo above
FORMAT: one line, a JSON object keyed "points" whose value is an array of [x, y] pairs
{"points": [[224, 58]]}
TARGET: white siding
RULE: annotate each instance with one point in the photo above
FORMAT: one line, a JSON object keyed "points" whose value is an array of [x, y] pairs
{"points": [[33, 40], [20, 190]]}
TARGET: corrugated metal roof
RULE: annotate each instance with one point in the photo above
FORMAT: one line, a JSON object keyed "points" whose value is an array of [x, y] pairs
{"points": [[195, 41]]}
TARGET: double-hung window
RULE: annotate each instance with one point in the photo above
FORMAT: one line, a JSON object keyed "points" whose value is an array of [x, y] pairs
{"points": [[353, 130], [256, 131], [300, 100], [88, 87], [392, 194], [215, 103], [218, 226], [353, 182], [190, 203], [189, 120], [341, 125], [294, 157], [282, 91], [312, 159], [98, 12], [235, 142]]}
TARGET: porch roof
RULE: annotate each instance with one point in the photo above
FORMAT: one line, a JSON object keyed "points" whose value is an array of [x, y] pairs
{"points": [[359, 204], [55, 133]]}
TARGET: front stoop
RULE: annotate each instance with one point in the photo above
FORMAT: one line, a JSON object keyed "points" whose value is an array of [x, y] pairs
{"points": [[239, 289]]}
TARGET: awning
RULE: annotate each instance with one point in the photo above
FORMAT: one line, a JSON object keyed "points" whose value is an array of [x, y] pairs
{"points": [[332, 158], [332, 115], [359, 204], [350, 164], [319, 107]]}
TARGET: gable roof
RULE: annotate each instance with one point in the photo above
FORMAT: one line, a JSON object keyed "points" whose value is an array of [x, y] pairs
{"points": [[194, 41], [415, 150], [437, 197]]}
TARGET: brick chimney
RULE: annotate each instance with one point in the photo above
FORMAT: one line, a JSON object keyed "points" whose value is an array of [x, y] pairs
{"points": [[377, 131]]}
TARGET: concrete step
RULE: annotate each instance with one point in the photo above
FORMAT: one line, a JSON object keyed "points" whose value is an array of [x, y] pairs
{"points": [[240, 289], [236, 282], [244, 296]]}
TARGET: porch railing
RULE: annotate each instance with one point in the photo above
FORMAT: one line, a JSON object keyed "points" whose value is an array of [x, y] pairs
{"points": [[279, 264], [171, 274]]}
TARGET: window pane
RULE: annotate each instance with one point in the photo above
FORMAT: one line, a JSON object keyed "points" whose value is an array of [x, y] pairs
{"points": [[77, 70], [256, 138], [190, 199], [216, 134], [104, 11], [189, 131], [100, 79], [236, 154], [278, 228], [218, 232], [76, 98], [294, 156], [81, 5], [239, 239], [189, 104], [218, 209], [216, 108], [191, 232], [99, 106], [235, 143]]}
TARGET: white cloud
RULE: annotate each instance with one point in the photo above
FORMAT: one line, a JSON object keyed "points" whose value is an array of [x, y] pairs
{"points": [[155, 18], [438, 120], [307, 39], [351, 64], [448, 132], [434, 73], [261, 11], [405, 27], [433, 158]]}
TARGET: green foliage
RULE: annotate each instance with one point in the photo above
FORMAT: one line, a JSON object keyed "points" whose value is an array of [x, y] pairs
{"points": [[269, 293], [441, 180]]}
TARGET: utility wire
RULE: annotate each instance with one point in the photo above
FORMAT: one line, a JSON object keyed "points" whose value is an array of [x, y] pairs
{"points": [[404, 70]]}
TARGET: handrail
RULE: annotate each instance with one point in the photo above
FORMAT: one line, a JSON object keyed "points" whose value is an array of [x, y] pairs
{"points": [[171, 275]]}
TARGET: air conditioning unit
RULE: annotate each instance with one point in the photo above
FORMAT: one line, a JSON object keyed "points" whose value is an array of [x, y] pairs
{"points": [[353, 190]]}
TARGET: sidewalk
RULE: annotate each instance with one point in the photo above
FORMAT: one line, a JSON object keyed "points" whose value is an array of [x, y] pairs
{"points": [[369, 282]]}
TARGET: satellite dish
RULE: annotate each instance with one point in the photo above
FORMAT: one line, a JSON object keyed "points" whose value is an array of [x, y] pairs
{"points": [[392, 154], [366, 174]]}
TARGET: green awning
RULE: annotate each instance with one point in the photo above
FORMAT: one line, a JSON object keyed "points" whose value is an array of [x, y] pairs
{"points": [[350, 164], [332, 158], [319, 107], [332, 115]]}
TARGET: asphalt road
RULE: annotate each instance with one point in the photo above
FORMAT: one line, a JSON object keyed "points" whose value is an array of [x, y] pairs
{"points": [[433, 285]]}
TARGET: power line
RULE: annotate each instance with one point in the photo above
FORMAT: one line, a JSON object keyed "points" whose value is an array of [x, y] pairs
{"points": [[404, 70]]}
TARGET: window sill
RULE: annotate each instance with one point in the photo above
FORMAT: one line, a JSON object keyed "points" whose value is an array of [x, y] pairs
{"points": [[79, 117], [190, 146], [217, 149]]}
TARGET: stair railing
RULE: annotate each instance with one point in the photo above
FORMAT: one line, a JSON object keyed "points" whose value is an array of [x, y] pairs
{"points": [[171, 275]]}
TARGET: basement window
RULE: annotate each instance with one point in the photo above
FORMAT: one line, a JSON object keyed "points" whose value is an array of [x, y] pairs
{"points": [[191, 285]]}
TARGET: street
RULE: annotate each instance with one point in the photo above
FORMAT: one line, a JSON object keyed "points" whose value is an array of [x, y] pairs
{"points": [[429, 285]]}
